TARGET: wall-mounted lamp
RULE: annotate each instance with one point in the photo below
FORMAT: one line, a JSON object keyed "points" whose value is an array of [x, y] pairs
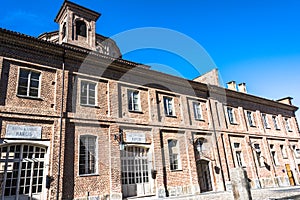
{"points": [[2, 141], [198, 143], [120, 139]]}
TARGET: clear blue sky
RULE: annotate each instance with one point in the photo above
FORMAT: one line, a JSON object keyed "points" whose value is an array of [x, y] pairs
{"points": [[252, 41]]}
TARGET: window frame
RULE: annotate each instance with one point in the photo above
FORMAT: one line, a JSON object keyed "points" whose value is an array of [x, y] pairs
{"points": [[295, 150], [283, 151], [250, 118], [238, 152], [169, 102], [174, 158], [29, 81], [275, 122], [198, 113], [131, 103], [87, 163], [259, 157], [78, 25], [265, 121], [231, 116], [88, 83], [239, 158], [287, 124], [274, 155]]}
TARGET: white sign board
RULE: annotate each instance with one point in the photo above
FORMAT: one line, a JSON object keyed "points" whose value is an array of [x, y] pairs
{"points": [[136, 137], [23, 132]]}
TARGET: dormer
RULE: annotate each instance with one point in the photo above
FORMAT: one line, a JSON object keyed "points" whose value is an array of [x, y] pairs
{"points": [[77, 25]]}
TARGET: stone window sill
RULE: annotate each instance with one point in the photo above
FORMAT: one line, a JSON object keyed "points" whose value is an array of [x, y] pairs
{"points": [[30, 97]]}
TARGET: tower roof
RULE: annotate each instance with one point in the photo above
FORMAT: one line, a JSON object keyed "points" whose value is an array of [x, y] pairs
{"points": [[73, 6]]}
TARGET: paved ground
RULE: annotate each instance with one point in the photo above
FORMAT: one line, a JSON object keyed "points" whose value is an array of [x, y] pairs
{"points": [[284, 193]]}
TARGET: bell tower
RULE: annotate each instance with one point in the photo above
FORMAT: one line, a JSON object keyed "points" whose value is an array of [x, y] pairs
{"points": [[77, 25]]}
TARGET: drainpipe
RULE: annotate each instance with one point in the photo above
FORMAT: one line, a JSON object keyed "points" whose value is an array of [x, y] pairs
{"points": [[60, 124], [226, 160], [216, 140]]}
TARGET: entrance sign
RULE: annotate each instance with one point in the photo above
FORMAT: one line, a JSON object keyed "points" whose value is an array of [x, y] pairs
{"points": [[23, 132], [136, 137]]}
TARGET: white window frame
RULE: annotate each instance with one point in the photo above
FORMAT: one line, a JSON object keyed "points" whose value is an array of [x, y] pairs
{"points": [[283, 151], [29, 80], [198, 110], [265, 120], [88, 84], [259, 157], [274, 155], [134, 100], [296, 151], [174, 157], [250, 118], [169, 106], [239, 158], [287, 124], [275, 121], [87, 151], [231, 115]]}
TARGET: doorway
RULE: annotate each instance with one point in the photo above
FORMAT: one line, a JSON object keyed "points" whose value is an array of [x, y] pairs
{"points": [[290, 174], [22, 171], [135, 171], [204, 178]]}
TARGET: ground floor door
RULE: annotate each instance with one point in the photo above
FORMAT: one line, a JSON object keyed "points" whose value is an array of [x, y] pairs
{"points": [[204, 178], [22, 171], [290, 174], [135, 171]]}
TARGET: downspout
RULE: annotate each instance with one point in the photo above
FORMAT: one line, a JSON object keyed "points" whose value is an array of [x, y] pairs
{"points": [[60, 124], [226, 160], [216, 140]]}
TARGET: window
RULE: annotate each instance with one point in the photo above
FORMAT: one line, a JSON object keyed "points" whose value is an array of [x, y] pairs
{"points": [[239, 158], [134, 100], [87, 155], [64, 30], [80, 28], [296, 151], [238, 154], [275, 122], [29, 83], [265, 121], [283, 151], [250, 118], [22, 170], [88, 93], [197, 110], [169, 106], [259, 158], [236, 145], [287, 124], [230, 115], [273, 154], [174, 156]]}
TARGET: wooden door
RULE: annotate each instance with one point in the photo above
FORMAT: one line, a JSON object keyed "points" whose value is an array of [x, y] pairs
{"points": [[290, 174]]}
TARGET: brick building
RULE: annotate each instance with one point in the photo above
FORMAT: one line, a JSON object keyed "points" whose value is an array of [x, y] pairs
{"points": [[78, 121]]}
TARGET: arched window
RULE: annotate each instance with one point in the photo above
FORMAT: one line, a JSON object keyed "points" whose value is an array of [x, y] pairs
{"points": [[81, 28]]}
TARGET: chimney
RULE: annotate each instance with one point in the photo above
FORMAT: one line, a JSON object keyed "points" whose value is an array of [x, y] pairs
{"points": [[242, 87], [231, 85]]}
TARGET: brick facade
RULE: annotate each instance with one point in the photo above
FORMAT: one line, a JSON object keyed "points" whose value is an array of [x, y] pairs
{"points": [[64, 118]]}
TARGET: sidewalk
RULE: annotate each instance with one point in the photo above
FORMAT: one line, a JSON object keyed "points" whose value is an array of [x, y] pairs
{"points": [[257, 194]]}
